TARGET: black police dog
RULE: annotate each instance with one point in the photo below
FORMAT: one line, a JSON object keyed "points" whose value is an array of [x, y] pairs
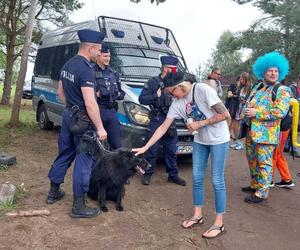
{"points": [[111, 170], [110, 174]]}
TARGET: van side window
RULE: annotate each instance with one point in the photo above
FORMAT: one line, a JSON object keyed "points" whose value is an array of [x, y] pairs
{"points": [[49, 61], [44, 61], [63, 54]]}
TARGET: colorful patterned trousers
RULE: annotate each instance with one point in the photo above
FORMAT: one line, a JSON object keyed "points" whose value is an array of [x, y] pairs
{"points": [[260, 160]]}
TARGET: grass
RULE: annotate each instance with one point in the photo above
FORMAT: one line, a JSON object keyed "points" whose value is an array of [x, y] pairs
{"points": [[28, 125], [13, 204], [27, 120]]}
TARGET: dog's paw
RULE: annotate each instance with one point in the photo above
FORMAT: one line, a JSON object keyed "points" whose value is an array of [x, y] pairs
{"points": [[104, 209], [119, 208]]}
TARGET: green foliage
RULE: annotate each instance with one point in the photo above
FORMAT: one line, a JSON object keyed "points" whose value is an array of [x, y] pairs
{"points": [[27, 122], [13, 19], [227, 56], [278, 29], [9, 135]]}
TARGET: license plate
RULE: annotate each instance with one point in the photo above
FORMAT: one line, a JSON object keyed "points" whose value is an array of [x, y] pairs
{"points": [[184, 149]]}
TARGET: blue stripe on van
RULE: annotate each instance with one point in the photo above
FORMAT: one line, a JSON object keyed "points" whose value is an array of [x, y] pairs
{"points": [[136, 91], [49, 95], [123, 119]]}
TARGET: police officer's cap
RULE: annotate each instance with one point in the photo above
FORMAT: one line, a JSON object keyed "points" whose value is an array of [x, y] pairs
{"points": [[105, 48], [172, 79], [169, 60], [90, 36]]}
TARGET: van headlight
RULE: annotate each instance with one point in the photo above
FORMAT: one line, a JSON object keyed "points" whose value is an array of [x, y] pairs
{"points": [[138, 114]]}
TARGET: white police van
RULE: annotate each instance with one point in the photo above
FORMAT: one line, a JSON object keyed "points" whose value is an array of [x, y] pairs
{"points": [[135, 51]]}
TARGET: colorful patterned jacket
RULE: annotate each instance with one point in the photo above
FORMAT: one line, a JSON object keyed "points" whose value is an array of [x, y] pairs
{"points": [[265, 126]]}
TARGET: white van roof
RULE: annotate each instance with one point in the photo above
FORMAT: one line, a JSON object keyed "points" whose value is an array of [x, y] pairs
{"points": [[66, 35], [135, 34]]}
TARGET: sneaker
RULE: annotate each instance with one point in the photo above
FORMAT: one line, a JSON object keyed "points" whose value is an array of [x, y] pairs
{"points": [[248, 189], [272, 184], [253, 199], [233, 145], [296, 154], [285, 184], [239, 146], [177, 180]]}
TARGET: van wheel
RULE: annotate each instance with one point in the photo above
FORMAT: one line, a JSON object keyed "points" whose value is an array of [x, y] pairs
{"points": [[44, 122]]}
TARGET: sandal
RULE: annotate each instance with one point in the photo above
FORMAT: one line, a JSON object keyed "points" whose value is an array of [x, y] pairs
{"points": [[195, 221], [221, 230]]}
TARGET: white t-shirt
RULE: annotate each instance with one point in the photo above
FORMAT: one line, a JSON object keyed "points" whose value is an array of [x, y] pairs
{"points": [[205, 98]]}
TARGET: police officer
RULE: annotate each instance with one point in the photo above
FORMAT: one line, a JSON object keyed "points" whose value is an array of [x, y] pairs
{"points": [[76, 88], [159, 101], [108, 92]]}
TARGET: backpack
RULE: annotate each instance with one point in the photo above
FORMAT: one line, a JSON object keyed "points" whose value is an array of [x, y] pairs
{"points": [[286, 122]]}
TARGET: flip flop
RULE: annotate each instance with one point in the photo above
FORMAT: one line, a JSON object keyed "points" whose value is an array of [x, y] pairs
{"points": [[196, 222], [221, 230]]}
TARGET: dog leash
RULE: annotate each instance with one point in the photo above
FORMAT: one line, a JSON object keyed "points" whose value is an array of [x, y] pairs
{"points": [[92, 136]]}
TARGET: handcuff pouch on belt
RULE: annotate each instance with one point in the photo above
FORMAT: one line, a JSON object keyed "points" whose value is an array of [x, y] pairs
{"points": [[80, 121]]}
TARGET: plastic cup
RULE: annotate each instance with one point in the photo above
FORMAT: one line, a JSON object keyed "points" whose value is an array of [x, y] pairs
{"points": [[188, 121]]}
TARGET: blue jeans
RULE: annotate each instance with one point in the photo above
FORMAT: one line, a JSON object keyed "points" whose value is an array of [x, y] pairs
{"points": [[218, 155]]}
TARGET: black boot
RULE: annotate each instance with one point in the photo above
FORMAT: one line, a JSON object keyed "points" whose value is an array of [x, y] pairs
{"points": [[79, 210], [146, 179], [55, 193], [177, 180]]}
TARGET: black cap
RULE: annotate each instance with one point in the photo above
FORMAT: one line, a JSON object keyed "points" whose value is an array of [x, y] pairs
{"points": [[172, 79]]}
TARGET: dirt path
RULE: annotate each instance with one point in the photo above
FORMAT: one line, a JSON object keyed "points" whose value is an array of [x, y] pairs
{"points": [[152, 215]]}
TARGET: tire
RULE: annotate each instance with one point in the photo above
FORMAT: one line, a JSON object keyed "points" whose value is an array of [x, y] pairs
{"points": [[43, 119]]}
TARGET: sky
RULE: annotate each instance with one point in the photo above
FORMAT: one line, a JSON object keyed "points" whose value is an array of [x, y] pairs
{"points": [[196, 24]]}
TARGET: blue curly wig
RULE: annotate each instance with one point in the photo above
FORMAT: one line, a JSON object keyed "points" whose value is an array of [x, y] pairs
{"points": [[271, 60]]}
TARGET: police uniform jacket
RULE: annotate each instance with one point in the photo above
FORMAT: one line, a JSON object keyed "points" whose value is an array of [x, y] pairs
{"points": [[75, 74], [109, 85], [148, 96]]}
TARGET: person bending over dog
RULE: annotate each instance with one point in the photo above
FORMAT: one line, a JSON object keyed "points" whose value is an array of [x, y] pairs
{"points": [[195, 101]]}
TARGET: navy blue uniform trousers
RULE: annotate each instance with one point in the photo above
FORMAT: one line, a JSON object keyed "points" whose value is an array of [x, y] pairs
{"points": [[169, 147], [68, 150], [112, 127]]}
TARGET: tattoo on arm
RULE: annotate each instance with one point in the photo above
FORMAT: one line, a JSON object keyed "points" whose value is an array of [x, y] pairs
{"points": [[222, 114]]}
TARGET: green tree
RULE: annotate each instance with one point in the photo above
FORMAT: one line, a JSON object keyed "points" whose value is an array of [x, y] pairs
{"points": [[13, 17], [278, 29], [226, 56], [14, 119]]}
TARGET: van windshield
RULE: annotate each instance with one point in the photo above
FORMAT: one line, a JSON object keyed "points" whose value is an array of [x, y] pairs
{"points": [[137, 63], [136, 47]]}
